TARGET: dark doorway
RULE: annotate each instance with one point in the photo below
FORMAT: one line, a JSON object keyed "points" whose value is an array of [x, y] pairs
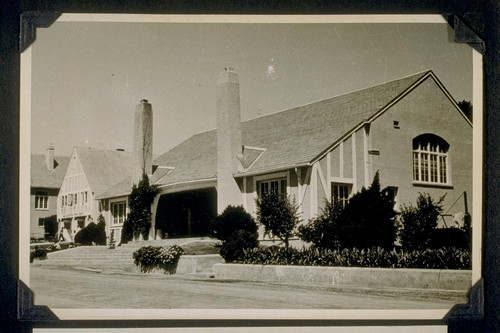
{"points": [[186, 214]]}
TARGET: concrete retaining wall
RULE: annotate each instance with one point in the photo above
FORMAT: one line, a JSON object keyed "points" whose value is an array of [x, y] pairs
{"points": [[349, 276], [197, 264]]}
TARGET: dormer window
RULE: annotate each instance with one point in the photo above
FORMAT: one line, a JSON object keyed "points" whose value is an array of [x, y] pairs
{"points": [[430, 160]]}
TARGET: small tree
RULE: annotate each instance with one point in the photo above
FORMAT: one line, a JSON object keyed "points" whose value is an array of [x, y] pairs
{"points": [[368, 219], [279, 216], [138, 221], [418, 223], [50, 227], [237, 230], [466, 107], [322, 231]]}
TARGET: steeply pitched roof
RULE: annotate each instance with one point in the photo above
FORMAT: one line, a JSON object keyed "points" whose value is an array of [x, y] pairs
{"points": [[290, 138], [104, 168], [42, 177]]}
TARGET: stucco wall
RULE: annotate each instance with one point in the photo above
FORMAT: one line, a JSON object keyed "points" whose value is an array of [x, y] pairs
{"points": [[425, 110], [35, 230]]}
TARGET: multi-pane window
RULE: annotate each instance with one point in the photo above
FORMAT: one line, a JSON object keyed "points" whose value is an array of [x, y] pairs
{"points": [[118, 212], [84, 198], [41, 200], [341, 193], [272, 186], [430, 159]]}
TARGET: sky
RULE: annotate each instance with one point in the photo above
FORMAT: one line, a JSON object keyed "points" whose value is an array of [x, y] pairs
{"points": [[87, 77]]}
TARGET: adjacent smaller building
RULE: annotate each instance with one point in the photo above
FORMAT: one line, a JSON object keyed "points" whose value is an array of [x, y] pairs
{"points": [[47, 174], [89, 174]]}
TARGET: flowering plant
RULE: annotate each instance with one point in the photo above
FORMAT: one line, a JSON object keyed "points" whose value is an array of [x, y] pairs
{"points": [[149, 258]]}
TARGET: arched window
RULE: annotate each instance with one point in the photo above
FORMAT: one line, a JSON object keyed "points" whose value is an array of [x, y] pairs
{"points": [[430, 159]]}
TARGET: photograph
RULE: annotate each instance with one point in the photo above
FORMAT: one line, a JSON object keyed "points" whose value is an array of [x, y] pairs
{"points": [[289, 165]]}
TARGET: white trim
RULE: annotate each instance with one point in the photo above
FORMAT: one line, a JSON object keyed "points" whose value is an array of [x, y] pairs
{"points": [[314, 191], [245, 193], [272, 176], [366, 158], [254, 148], [329, 173], [263, 173], [298, 172], [188, 185], [319, 170], [306, 181], [342, 180], [354, 167], [341, 159]]}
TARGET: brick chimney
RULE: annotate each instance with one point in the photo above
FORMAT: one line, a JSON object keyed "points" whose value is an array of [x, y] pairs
{"points": [[143, 141], [229, 144], [49, 157]]}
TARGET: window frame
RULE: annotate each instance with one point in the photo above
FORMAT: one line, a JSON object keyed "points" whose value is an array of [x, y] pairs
{"points": [[345, 199], [118, 220], [431, 161], [41, 200]]}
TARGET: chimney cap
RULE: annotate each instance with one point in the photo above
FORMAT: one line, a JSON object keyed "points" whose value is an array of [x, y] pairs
{"points": [[50, 146], [144, 100]]}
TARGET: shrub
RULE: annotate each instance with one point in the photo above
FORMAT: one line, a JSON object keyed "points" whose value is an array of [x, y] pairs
{"points": [[232, 219], [149, 258], [279, 216], [92, 233], [233, 247], [322, 231], [237, 230], [368, 219], [444, 258], [38, 253], [418, 223]]}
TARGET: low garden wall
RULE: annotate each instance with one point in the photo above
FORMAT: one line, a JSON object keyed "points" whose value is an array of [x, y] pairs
{"points": [[197, 263], [459, 280]]}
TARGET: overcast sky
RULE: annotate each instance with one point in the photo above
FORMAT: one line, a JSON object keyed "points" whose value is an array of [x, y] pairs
{"points": [[88, 77]]}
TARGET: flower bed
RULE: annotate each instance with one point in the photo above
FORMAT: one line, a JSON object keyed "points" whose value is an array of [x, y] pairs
{"points": [[444, 258]]}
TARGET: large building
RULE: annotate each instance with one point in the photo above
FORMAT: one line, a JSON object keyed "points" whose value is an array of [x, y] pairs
{"points": [[47, 174], [410, 130]]}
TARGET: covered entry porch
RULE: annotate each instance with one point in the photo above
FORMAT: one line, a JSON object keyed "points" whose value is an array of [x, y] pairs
{"points": [[184, 211]]}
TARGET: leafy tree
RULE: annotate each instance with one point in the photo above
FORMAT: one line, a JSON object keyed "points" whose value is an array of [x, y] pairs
{"points": [[368, 219], [138, 221], [50, 226], [322, 231], [279, 216], [466, 107], [418, 223], [237, 230]]}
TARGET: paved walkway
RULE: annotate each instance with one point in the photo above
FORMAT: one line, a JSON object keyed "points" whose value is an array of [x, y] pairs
{"points": [[76, 288]]}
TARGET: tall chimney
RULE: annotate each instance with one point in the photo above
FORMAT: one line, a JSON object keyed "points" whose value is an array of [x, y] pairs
{"points": [[49, 157], [229, 144], [143, 141]]}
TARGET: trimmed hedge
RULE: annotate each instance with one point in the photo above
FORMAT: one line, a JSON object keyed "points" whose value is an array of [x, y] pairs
{"points": [[444, 258], [149, 258]]}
